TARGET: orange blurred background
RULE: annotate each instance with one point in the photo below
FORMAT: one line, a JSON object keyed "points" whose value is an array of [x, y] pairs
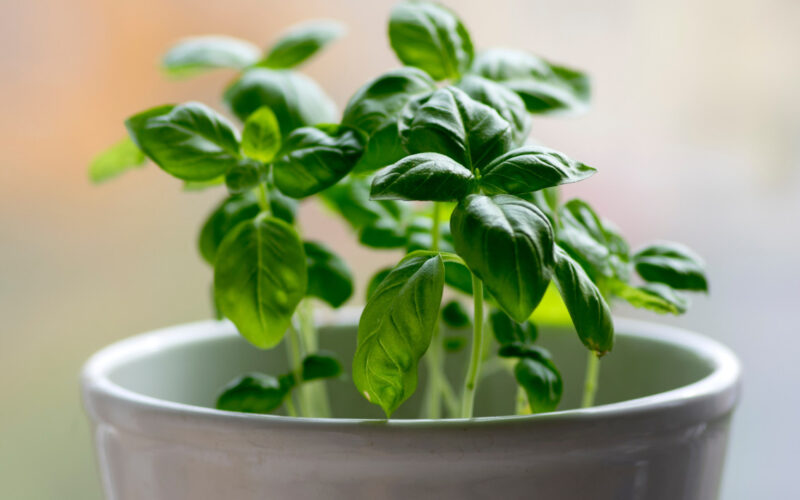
{"points": [[695, 130]]}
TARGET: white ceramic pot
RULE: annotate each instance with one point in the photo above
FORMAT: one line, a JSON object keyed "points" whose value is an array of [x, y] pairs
{"points": [[659, 433]]}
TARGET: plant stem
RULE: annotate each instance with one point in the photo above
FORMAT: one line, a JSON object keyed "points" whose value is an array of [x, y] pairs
{"points": [[263, 198], [296, 365], [470, 383], [522, 406], [317, 390], [590, 382], [435, 230], [289, 402]]}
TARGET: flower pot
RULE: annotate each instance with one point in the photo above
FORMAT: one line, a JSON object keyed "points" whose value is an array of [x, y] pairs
{"points": [[659, 432]]}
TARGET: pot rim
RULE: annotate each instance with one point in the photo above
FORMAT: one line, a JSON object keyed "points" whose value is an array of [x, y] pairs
{"points": [[713, 396]]}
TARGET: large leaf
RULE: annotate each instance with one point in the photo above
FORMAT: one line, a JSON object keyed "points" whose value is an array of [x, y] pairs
{"points": [[656, 297], [672, 264], [396, 328], [501, 99], [190, 141], [424, 176], [196, 54], [301, 42], [115, 160], [544, 87], [451, 123], [296, 100], [508, 243], [253, 393], [430, 37], [222, 220], [531, 168], [542, 383], [329, 277], [588, 309], [259, 278], [314, 158], [261, 137]]}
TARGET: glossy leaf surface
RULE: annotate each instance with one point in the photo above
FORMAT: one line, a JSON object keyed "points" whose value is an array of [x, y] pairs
{"points": [[301, 42], [252, 393], [531, 168], [672, 264], [329, 277], [261, 137], [424, 176], [196, 54]]}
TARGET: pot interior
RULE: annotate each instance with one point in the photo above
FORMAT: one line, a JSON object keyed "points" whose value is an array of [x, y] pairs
{"points": [[193, 373]]}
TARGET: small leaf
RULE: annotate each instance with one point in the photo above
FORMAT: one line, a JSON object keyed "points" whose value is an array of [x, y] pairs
{"points": [[542, 383], [301, 42], [314, 158], [424, 176], [243, 176], [458, 277], [222, 220], [261, 138], [259, 278], [656, 297], [196, 54], [282, 206], [383, 233], [296, 100], [544, 87], [455, 316], [524, 349], [190, 141], [451, 123], [350, 199], [430, 37], [203, 185], [376, 280], [508, 331], [329, 277], [454, 343], [531, 168], [508, 243], [672, 264], [396, 328], [321, 365], [115, 160], [252, 393], [503, 100], [588, 309]]}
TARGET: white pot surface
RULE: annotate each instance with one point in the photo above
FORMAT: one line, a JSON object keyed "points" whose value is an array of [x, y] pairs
{"points": [[659, 432]]}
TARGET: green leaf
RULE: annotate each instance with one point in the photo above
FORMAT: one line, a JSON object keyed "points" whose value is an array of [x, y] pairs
{"points": [[455, 316], [430, 37], [424, 176], [672, 264], [252, 393], [259, 278], [451, 123], [376, 280], [542, 383], [396, 328], [282, 206], [544, 87], [588, 309], [383, 233], [301, 42], [329, 277], [508, 243], [321, 365], [522, 349], [203, 185], [261, 137], [196, 54], [454, 343], [507, 103], [115, 160], [458, 277], [350, 199], [656, 297], [296, 100], [508, 331], [531, 168], [314, 158], [190, 141], [222, 220], [243, 176]]}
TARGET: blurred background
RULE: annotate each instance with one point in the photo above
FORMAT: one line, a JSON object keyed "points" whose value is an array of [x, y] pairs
{"points": [[695, 130]]}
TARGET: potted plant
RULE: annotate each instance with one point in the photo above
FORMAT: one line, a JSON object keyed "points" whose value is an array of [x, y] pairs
{"points": [[212, 409]]}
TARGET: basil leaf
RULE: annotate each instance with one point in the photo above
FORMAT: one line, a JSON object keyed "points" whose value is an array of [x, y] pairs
{"points": [[588, 309], [376, 280], [301, 42], [252, 393], [314, 158], [508, 104], [383, 233], [542, 383], [261, 137], [243, 176], [508, 331], [396, 328], [455, 316], [329, 277], [544, 87], [523, 349], [458, 277], [196, 54], [430, 37], [451, 123], [424, 176], [259, 278], [508, 243], [222, 220], [656, 297], [203, 185], [350, 199], [296, 100], [531, 168], [115, 160], [454, 343], [321, 365], [190, 141], [672, 264]]}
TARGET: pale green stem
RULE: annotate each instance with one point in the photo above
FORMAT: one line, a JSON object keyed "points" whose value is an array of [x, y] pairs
{"points": [[263, 198], [318, 390], [590, 382], [470, 383], [523, 408], [296, 365], [289, 403]]}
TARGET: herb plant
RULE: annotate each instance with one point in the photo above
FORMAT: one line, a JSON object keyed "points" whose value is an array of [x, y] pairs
{"points": [[432, 158]]}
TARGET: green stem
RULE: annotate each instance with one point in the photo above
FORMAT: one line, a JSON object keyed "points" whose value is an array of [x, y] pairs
{"points": [[435, 230], [590, 382], [470, 383], [318, 390], [296, 365], [432, 407], [263, 198], [523, 408], [289, 402]]}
